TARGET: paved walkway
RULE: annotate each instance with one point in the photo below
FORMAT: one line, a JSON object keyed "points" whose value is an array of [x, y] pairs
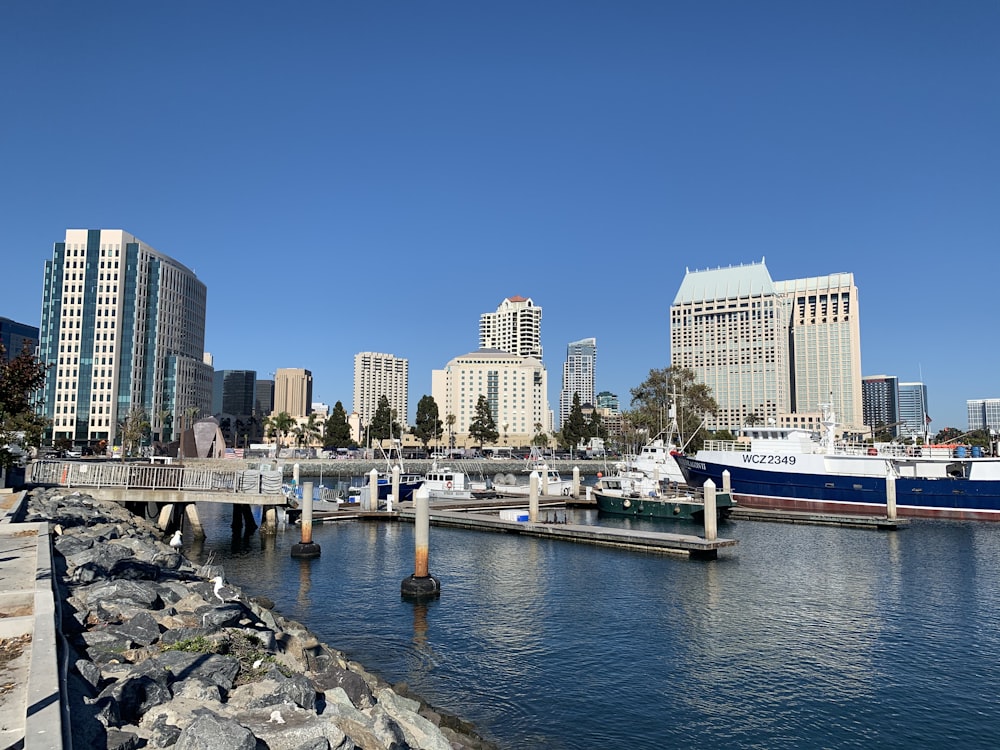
{"points": [[30, 699]]}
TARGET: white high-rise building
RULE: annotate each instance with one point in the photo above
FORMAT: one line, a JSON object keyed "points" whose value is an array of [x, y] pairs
{"points": [[913, 409], [984, 414], [578, 376], [123, 328], [377, 375], [515, 328], [770, 349], [515, 388]]}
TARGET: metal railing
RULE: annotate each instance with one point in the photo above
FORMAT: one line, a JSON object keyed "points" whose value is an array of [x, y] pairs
{"points": [[152, 477]]}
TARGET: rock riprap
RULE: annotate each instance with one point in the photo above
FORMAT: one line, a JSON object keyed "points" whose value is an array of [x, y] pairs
{"points": [[157, 659]]}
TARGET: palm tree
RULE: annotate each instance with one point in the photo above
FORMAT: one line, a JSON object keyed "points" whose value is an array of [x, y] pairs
{"points": [[450, 421], [280, 425]]}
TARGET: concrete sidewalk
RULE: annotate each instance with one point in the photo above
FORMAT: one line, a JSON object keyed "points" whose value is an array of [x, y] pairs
{"points": [[30, 698]]}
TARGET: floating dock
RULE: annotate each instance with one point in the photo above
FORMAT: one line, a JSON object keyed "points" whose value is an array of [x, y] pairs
{"points": [[647, 541], [880, 523]]}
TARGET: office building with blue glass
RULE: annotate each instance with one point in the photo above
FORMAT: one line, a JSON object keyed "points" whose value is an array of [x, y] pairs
{"points": [[122, 329]]}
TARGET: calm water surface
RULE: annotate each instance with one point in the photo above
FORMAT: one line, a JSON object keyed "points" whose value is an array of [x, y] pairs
{"points": [[800, 637]]}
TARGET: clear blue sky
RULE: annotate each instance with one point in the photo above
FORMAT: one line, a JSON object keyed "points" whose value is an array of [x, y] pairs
{"points": [[372, 176]]}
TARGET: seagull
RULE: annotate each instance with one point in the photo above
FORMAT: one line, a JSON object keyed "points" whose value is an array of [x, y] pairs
{"points": [[176, 542], [223, 592], [276, 718]]}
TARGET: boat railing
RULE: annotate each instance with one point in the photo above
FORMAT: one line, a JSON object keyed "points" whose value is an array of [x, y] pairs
{"points": [[727, 445]]}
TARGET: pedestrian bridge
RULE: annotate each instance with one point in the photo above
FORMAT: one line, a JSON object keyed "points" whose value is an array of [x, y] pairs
{"points": [[171, 488]]}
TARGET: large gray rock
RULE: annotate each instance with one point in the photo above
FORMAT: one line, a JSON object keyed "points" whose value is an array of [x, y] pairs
{"points": [[141, 629], [135, 695], [419, 732], [289, 727], [211, 732], [275, 690], [139, 593], [351, 683]]}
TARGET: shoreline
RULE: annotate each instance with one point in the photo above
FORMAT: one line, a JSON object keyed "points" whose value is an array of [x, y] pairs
{"points": [[159, 654]]}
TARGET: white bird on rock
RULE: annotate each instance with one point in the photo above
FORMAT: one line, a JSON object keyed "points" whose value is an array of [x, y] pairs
{"points": [[223, 592], [176, 542]]}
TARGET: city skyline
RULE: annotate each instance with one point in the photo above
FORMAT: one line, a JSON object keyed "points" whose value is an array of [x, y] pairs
{"points": [[349, 178]]}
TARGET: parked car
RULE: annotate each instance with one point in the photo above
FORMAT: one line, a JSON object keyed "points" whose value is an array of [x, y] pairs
{"points": [[74, 453]]}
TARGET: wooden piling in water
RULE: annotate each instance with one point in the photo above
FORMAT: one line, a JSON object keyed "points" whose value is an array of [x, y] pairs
{"points": [[307, 547]]}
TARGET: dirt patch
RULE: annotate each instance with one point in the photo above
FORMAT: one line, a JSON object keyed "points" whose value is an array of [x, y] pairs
{"points": [[11, 649]]}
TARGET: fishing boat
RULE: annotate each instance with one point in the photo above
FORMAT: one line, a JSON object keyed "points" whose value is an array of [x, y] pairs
{"points": [[408, 481], [550, 484], [445, 483], [795, 469], [634, 493], [656, 459]]}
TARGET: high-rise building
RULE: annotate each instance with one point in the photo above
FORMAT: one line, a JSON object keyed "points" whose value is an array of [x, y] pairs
{"points": [[730, 327], [767, 349], [234, 391], [880, 403], [263, 402], [377, 375], [607, 400], [578, 376], [514, 386], [826, 345], [123, 328], [14, 336], [984, 414], [515, 328], [913, 409], [293, 391]]}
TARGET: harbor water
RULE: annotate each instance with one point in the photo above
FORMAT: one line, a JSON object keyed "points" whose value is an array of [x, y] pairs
{"points": [[799, 637]]}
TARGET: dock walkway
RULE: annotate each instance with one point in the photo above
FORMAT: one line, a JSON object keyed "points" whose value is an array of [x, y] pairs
{"points": [[647, 541]]}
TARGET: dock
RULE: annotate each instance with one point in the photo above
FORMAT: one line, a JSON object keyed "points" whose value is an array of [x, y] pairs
{"points": [[694, 547], [847, 520]]}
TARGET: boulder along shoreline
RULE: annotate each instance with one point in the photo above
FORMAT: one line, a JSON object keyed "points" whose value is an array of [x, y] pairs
{"points": [[155, 657]]}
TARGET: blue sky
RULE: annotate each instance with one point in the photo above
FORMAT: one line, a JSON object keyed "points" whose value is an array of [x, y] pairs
{"points": [[372, 176]]}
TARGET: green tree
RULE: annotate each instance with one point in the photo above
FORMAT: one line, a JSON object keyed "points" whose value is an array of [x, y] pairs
{"points": [[752, 419], [678, 387], [132, 430], [596, 428], [338, 432], [20, 423], [540, 439], [483, 429], [279, 425], [383, 425], [576, 428], [428, 427]]}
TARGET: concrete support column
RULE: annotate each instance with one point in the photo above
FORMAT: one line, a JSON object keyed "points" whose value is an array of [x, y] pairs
{"points": [[421, 584], [269, 523], [395, 488], [890, 496], [576, 482], [533, 497], [191, 514], [306, 547], [372, 490], [166, 513], [711, 521]]}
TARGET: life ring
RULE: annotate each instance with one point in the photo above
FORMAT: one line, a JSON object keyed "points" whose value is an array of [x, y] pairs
{"points": [[448, 485], [566, 491], [626, 503]]}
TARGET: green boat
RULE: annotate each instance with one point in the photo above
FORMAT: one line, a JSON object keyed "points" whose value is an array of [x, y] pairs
{"points": [[639, 496]]}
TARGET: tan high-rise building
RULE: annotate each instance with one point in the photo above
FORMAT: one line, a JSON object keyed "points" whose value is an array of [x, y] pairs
{"points": [[293, 391], [769, 349], [377, 375], [515, 387], [515, 328]]}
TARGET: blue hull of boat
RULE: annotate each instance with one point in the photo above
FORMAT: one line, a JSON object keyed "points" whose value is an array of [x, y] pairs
{"points": [[943, 498]]}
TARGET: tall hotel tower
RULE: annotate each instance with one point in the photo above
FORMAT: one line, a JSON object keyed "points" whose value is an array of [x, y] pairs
{"points": [[771, 349], [578, 376], [123, 328], [515, 328], [293, 391], [377, 375]]}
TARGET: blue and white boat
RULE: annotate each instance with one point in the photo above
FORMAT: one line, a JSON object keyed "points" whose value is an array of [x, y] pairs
{"points": [[794, 469]]}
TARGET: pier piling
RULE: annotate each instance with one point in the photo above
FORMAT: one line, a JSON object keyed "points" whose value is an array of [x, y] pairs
{"points": [[890, 496], [421, 585], [307, 547], [372, 490], [711, 522], [533, 497]]}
